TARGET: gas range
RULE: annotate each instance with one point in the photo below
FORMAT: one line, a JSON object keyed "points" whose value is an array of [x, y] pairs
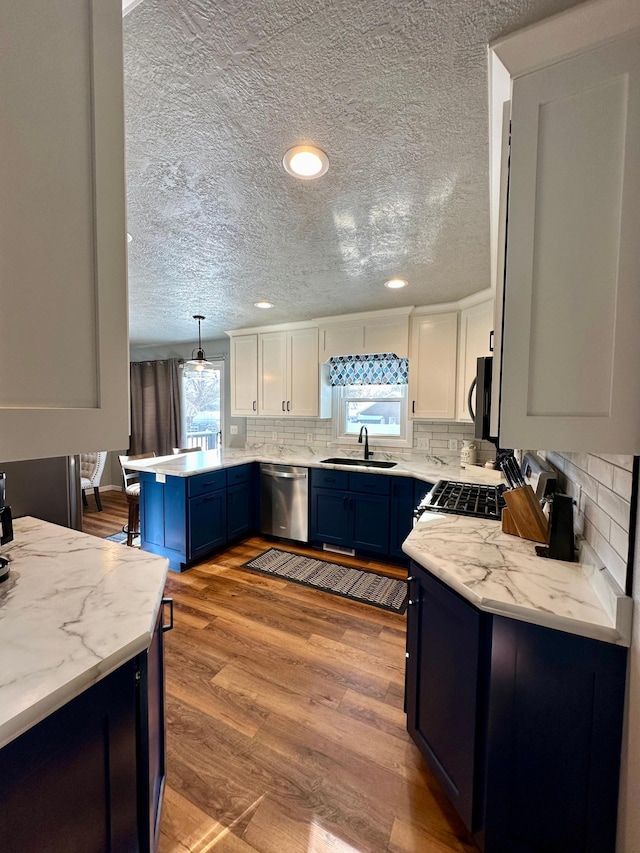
{"points": [[460, 498]]}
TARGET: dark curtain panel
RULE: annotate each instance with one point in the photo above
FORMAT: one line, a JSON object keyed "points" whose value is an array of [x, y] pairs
{"points": [[155, 406]]}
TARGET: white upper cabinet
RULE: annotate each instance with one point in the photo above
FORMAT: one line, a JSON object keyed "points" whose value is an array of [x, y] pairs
{"points": [[303, 375], [272, 374], [277, 374], [365, 333], [571, 347], [432, 366], [244, 375], [63, 317], [476, 325]]}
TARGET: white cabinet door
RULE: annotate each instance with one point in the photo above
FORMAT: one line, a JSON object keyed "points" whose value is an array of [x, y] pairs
{"points": [[571, 346], [63, 315], [272, 374], [244, 375], [476, 324], [432, 366], [387, 334], [303, 373], [341, 339]]}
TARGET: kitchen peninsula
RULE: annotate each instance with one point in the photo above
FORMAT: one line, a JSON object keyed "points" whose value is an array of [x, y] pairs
{"points": [[515, 684], [81, 691]]}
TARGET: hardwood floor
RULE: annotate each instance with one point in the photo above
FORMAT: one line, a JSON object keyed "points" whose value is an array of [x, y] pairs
{"points": [[285, 723]]}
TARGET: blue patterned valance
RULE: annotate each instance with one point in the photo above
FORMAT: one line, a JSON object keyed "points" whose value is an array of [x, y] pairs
{"points": [[378, 369]]}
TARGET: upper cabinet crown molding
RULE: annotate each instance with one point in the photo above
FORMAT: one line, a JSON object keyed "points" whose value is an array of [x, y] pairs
{"points": [[64, 320]]}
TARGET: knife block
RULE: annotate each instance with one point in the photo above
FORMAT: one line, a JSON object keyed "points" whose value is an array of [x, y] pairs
{"points": [[525, 513]]}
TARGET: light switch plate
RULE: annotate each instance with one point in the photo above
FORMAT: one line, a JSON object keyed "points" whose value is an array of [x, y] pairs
{"points": [[453, 444]]}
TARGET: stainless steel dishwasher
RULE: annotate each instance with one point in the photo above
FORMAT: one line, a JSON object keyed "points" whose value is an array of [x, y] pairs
{"points": [[284, 501]]}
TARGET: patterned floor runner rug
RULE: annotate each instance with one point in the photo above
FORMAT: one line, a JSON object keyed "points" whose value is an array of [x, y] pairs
{"points": [[357, 584]]}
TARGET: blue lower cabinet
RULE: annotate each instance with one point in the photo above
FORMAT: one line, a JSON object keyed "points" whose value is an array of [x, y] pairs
{"points": [[206, 523], [330, 519], [370, 523], [350, 520], [238, 510], [521, 724], [186, 518], [403, 504]]}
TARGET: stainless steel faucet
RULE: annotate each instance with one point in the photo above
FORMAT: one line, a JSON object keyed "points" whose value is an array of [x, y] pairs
{"points": [[367, 453]]}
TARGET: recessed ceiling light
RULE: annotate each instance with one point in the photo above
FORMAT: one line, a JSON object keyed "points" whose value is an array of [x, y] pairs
{"points": [[306, 162], [395, 283], [263, 304]]}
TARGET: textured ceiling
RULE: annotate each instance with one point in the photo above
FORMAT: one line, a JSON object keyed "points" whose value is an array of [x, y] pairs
{"points": [[395, 92]]}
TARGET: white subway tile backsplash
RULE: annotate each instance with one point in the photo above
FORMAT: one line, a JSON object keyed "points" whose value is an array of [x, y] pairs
{"points": [[598, 518], [602, 483], [600, 470], [622, 481], [619, 540], [617, 508]]}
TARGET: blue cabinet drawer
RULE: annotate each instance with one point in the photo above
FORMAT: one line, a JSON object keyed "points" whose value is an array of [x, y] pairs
{"points": [[370, 484], [203, 483], [329, 479], [238, 474]]}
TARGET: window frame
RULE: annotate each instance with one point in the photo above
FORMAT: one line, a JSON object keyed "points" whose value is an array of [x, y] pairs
{"points": [[340, 397]]}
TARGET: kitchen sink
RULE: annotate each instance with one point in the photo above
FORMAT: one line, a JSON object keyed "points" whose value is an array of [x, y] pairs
{"points": [[369, 463]]}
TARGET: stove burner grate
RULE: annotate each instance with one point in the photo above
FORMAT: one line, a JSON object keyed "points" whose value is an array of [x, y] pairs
{"points": [[465, 499]]}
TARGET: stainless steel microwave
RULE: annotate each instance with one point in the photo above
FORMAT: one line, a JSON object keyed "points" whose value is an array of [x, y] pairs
{"points": [[481, 412]]}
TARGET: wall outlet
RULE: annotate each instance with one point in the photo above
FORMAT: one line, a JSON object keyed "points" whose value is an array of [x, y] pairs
{"points": [[423, 443], [309, 438], [233, 429], [274, 436], [453, 444]]}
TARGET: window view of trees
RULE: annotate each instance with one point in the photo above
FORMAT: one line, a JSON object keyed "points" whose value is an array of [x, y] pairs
{"points": [[201, 408]]}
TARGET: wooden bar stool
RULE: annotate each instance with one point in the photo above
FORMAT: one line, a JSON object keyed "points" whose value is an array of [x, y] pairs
{"points": [[131, 485]]}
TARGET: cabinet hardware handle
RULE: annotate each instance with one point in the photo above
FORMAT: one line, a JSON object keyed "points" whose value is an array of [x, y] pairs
{"points": [[169, 626], [254, 406], [409, 579], [345, 503], [491, 341], [413, 407], [288, 406], [283, 405], [351, 502], [412, 602]]}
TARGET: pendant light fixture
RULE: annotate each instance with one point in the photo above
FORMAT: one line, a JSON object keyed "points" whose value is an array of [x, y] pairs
{"points": [[198, 362]]}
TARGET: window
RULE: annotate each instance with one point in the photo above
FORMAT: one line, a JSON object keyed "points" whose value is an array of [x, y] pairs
{"points": [[382, 409], [202, 394]]}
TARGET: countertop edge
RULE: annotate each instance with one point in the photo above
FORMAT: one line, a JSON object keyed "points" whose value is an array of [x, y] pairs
{"points": [[519, 612]]}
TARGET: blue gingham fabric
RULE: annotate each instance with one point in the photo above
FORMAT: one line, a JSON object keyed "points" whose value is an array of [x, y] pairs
{"points": [[378, 369]]}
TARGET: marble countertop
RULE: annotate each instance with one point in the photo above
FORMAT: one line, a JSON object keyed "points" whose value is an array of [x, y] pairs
{"points": [[427, 468], [72, 610], [502, 574]]}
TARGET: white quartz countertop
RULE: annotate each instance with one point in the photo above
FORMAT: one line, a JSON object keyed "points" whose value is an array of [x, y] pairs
{"points": [[502, 574], [73, 609], [426, 468]]}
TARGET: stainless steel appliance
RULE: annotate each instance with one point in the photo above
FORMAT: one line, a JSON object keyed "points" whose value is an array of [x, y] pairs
{"points": [[284, 501], [481, 412], [463, 499], [46, 488]]}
